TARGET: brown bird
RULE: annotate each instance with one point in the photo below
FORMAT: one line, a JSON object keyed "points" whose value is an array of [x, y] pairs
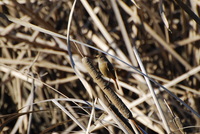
{"points": [[107, 68]]}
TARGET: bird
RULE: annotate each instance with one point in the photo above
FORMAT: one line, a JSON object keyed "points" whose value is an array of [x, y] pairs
{"points": [[106, 68]]}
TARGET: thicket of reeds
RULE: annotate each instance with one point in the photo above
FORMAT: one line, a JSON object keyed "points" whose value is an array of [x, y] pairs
{"points": [[49, 76]]}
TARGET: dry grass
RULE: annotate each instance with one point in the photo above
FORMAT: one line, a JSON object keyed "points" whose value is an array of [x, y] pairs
{"points": [[35, 63]]}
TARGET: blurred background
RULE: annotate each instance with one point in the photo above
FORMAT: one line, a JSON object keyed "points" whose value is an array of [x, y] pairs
{"points": [[165, 36]]}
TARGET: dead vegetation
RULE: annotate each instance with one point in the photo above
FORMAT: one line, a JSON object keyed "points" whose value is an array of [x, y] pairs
{"points": [[36, 63]]}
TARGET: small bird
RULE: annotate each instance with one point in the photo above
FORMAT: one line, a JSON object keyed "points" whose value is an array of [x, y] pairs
{"points": [[107, 68]]}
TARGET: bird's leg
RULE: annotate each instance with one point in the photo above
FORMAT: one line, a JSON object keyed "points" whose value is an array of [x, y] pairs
{"points": [[108, 82]]}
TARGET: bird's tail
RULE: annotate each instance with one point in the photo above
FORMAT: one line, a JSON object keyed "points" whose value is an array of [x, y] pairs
{"points": [[116, 83]]}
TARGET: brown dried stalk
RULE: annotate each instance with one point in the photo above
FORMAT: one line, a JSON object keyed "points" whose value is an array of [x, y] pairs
{"points": [[108, 91]]}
